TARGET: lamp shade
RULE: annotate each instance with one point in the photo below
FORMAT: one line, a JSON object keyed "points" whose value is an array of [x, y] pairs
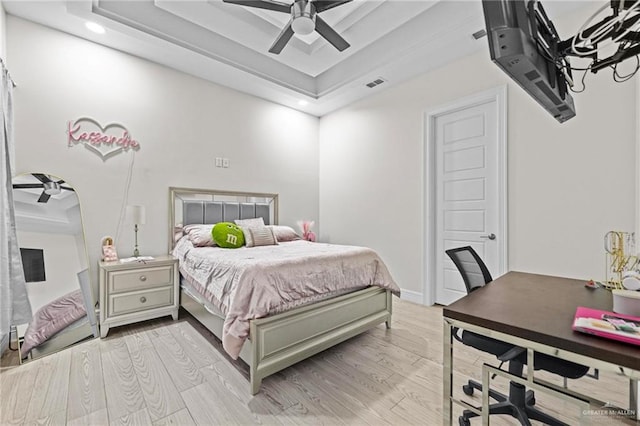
{"points": [[135, 215]]}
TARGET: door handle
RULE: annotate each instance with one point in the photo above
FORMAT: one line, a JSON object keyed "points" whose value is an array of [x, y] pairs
{"points": [[491, 236]]}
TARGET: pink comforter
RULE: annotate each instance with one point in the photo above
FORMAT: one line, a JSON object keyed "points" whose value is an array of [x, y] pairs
{"points": [[52, 318], [250, 283]]}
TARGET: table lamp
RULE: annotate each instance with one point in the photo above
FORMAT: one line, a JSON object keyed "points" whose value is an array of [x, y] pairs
{"points": [[137, 216]]}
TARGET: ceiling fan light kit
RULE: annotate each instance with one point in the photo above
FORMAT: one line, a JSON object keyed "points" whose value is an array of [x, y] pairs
{"points": [[51, 188], [304, 20], [303, 15], [47, 184]]}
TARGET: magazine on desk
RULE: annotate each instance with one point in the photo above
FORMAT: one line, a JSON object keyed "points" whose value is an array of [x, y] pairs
{"points": [[623, 328]]}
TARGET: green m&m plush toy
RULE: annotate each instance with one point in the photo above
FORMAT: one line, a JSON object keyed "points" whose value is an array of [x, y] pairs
{"points": [[227, 235]]}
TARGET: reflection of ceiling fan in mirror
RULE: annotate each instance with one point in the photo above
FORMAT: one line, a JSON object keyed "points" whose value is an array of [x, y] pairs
{"points": [[304, 20], [49, 187]]}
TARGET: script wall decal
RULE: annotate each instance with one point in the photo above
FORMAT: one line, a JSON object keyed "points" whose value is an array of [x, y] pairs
{"points": [[105, 141]]}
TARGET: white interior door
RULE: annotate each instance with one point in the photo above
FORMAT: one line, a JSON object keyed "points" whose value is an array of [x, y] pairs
{"points": [[468, 192]]}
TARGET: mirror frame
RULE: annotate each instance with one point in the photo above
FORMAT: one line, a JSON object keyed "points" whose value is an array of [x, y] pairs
{"points": [[86, 326]]}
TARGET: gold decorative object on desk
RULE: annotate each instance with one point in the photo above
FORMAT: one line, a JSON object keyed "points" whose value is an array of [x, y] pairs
{"points": [[618, 247]]}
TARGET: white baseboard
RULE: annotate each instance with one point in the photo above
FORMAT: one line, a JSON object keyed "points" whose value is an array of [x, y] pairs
{"points": [[412, 296]]}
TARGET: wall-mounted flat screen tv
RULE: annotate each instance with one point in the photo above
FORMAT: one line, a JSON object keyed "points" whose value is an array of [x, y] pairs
{"points": [[33, 264], [523, 42]]}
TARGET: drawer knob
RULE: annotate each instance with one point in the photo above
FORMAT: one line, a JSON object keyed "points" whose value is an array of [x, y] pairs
{"points": [[143, 278], [143, 299]]}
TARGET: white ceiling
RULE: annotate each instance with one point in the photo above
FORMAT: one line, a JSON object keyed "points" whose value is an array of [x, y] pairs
{"points": [[228, 44], [59, 215]]}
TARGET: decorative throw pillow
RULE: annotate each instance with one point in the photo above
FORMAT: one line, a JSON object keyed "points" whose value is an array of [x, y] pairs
{"points": [[227, 235], [284, 233], [200, 235], [188, 228], [259, 236], [246, 223]]}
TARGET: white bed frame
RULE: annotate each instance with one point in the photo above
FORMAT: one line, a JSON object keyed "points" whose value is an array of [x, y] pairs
{"points": [[281, 340]]}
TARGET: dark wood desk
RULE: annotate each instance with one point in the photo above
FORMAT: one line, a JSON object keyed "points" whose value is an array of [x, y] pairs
{"points": [[536, 311]]}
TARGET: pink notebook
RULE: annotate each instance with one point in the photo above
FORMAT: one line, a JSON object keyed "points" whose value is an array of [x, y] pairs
{"points": [[624, 328]]}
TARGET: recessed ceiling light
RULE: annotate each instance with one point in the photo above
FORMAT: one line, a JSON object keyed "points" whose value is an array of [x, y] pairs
{"points": [[302, 102], [96, 28]]}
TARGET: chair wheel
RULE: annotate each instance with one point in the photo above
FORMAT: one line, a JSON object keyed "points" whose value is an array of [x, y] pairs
{"points": [[530, 398], [468, 390], [462, 421]]}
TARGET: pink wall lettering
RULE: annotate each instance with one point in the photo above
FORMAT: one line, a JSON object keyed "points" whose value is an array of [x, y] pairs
{"points": [[105, 141]]}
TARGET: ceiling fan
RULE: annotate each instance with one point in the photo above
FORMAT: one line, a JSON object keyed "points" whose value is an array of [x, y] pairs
{"points": [[304, 20], [49, 187]]}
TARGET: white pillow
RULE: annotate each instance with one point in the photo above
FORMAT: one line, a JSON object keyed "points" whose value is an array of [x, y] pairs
{"points": [[284, 233], [200, 235], [246, 223]]}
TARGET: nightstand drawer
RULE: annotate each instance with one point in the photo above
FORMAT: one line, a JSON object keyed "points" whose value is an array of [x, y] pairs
{"points": [[138, 279], [141, 300], [138, 291]]}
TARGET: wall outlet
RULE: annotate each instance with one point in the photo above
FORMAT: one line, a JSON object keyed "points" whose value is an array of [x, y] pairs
{"points": [[218, 161]]}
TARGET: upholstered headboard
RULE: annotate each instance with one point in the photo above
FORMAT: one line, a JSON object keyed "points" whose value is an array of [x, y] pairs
{"points": [[222, 211], [189, 206]]}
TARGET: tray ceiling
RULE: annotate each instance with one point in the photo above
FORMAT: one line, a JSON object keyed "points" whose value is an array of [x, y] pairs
{"points": [[391, 41]]}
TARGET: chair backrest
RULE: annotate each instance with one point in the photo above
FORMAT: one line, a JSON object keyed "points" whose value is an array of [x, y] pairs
{"points": [[473, 270]]}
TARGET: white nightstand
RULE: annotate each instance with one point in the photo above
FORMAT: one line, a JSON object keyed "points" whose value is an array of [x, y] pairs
{"points": [[137, 291]]}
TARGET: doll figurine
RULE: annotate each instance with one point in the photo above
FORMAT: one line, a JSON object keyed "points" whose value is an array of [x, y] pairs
{"points": [[307, 233]]}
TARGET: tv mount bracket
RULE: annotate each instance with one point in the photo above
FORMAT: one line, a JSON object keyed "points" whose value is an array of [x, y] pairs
{"points": [[629, 43]]}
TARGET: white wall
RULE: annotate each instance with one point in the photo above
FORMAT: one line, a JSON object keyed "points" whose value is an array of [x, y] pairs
{"points": [[181, 122], [568, 183], [3, 32]]}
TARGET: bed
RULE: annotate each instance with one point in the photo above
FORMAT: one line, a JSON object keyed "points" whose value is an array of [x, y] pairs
{"points": [[67, 320], [295, 329]]}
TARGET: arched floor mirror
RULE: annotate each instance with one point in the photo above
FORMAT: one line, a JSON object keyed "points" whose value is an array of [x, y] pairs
{"points": [[54, 256]]}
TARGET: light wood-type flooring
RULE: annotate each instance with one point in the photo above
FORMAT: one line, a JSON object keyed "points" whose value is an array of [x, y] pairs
{"points": [[173, 373]]}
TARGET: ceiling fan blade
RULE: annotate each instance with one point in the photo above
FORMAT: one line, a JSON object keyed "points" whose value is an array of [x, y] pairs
{"points": [[42, 178], [263, 4], [322, 5], [283, 39], [330, 35], [27, 185], [44, 197], [68, 189]]}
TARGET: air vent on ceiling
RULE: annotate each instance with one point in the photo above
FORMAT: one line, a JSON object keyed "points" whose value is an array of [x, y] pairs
{"points": [[479, 34], [376, 82], [532, 75]]}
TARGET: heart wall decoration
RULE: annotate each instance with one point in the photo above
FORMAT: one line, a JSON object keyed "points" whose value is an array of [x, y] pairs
{"points": [[105, 141]]}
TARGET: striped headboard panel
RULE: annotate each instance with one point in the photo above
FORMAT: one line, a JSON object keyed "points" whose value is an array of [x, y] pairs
{"points": [[197, 212]]}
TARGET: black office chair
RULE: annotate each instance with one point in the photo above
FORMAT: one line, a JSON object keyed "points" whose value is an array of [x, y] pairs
{"points": [[520, 402]]}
